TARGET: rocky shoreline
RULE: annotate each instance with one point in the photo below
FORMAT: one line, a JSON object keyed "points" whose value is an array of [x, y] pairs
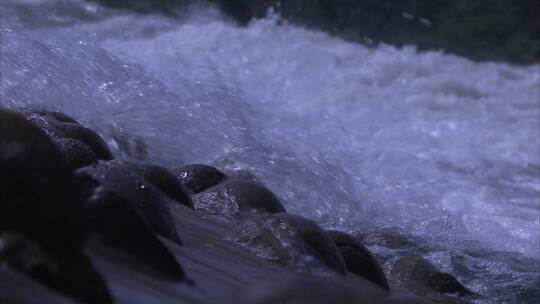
{"points": [[77, 225]]}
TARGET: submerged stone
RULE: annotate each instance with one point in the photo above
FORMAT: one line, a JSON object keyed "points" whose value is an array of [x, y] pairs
{"points": [[392, 238], [421, 272], [164, 180], [54, 115], [290, 240], [234, 196], [198, 177], [358, 258], [150, 203]]}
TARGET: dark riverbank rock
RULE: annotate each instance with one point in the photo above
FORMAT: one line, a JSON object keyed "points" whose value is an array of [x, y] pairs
{"points": [[423, 274], [58, 125], [235, 196], [358, 258], [37, 187], [290, 240], [150, 203], [113, 222], [45, 114], [71, 274], [303, 289], [198, 177], [164, 180], [76, 153], [39, 202]]}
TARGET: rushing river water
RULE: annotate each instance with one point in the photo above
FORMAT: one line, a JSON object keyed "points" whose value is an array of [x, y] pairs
{"points": [[441, 148]]}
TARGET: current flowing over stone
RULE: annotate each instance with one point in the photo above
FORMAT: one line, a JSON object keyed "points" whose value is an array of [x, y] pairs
{"points": [[443, 149]]}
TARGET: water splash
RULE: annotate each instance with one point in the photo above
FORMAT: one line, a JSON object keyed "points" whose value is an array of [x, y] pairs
{"points": [[353, 137]]}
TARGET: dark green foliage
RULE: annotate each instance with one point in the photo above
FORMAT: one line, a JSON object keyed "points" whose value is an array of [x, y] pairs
{"points": [[499, 30], [478, 29], [148, 6]]}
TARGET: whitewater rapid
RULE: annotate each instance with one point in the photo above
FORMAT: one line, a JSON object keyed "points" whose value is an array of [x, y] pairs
{"points": [[356, 138]]}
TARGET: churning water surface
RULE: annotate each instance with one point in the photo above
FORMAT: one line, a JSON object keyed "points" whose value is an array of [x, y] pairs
{"points": [[433, 145]]}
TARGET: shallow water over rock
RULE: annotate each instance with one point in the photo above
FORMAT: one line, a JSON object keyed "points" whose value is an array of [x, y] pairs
{"points": [[442, 149]]}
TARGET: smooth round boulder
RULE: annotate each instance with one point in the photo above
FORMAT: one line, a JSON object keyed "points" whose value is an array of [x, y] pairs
{"points": [[290, 240], [54, 115], [58, 125], [37, 187], [421, 273], [197, 177], [358, 258], [76, 153], [149, 202], [234, 197], [40, 200], [114, 223], [164, 180]]}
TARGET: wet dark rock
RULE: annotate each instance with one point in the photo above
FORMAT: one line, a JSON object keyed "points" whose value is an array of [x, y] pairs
{"points": [[358, 258], [58, 125], [54, 115], [149, 202], [164, 180], [37, 186], [405, 299], [422, 273], [234, 196], [86, 135], [76, 153], [310, 290], [71, 274], [114, 222], [198, 177], [39, 201], [291, 240]]}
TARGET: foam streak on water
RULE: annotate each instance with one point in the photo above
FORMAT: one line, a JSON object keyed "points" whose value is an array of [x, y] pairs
{"points": [[432, 144]]}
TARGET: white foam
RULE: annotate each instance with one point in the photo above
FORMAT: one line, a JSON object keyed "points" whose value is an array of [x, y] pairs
{"points": [[350, 136]]}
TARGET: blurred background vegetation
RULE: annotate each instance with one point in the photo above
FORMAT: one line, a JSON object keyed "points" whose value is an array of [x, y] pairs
{"points": [[495, 30]]}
